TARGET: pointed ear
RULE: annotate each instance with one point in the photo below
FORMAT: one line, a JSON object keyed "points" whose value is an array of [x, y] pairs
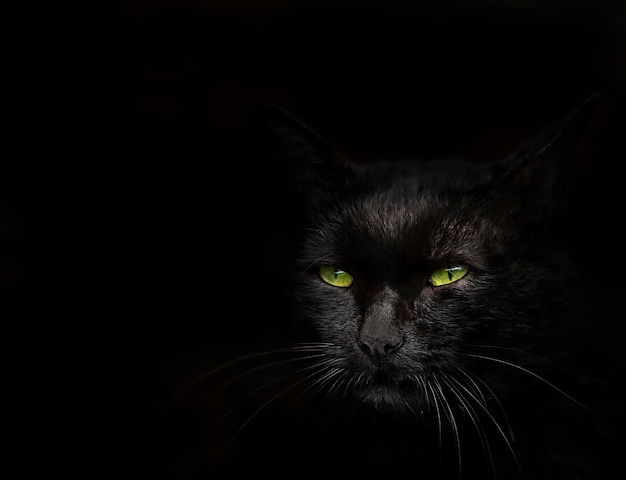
{"points": [[553, 153], [307, 162], [539, 174]]}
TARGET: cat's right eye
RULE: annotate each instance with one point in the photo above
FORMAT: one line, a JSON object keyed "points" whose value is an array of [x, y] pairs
{"points": [[335, 277], [445, 276]]}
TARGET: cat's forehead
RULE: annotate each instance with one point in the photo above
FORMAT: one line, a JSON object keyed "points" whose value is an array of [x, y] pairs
{"points": [[411, 210], [389, 220], [385, 226], [390, 213], [413, 194], [405, 212]]}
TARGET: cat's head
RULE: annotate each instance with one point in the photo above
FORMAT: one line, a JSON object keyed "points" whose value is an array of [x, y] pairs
{"points": [[417, 276]]}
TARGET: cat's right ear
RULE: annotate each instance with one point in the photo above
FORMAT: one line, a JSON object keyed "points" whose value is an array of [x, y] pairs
{"points": [[307, 162]]}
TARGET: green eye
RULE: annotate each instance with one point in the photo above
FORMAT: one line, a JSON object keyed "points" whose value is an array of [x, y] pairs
{"points": [[445, 276], [335, 277]]}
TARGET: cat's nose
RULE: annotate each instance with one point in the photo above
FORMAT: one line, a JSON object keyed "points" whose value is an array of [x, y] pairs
{"points": [[378, 348], [379, 335]]}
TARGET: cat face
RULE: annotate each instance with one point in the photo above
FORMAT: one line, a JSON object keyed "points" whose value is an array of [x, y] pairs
{"points": [[406, 275], [401, 282]]}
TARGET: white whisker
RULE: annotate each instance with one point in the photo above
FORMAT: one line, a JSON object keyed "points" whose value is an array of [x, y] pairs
{"points": [[493, 395], [336, 384], [540, 357], [310, 347], [320, 366], [268, 365], [278, 395], [439, 419], [453, 421], [475, 419], [493, 420], [351, 380], [533, 374], [326, 377], [316, 261]]}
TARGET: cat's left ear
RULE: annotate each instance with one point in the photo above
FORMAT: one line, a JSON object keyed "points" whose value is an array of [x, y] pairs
{"points": [[542, 170], [308, 163]]}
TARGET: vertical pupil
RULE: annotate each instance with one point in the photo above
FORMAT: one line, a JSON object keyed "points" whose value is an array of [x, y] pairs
{"points": [[450, 275]]}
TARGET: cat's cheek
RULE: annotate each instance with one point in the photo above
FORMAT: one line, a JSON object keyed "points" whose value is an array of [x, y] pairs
{"points": [[335, 314]]}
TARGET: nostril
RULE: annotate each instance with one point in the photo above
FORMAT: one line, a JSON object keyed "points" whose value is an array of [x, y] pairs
{"points": [[366, 348]]}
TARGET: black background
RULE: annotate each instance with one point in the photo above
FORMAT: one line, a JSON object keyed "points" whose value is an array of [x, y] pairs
{"points": [[140, 234]]}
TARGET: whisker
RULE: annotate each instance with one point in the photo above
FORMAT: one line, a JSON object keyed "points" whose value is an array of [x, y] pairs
{"points": [[473, 385], [317, 260], [533, 374], [475, 419], [273, 398], [439, 420], [493, 420], [268, 365], [419, 379], [324, 379], [493, 395], [312, 347], [338, 372], [360, 379], [337, 383], [327, 377], [348, 383], [453, 422], [542, 358], [320, 366]]}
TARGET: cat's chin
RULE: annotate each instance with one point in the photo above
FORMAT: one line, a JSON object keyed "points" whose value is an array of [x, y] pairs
{"points": [[392, 397]]}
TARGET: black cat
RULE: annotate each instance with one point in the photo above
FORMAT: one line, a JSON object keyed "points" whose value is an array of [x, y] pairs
{"points": [[430, 306]]}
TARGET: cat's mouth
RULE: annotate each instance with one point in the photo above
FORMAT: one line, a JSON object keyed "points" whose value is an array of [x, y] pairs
{"points": [[397, 397], [399, 394]]}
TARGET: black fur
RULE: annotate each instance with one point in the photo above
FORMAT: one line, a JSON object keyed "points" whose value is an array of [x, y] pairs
{"points": [[481, 378]]}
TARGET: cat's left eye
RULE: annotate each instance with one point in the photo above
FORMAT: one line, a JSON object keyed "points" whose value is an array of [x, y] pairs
{"points": [[445, 276], [335, 277]]}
